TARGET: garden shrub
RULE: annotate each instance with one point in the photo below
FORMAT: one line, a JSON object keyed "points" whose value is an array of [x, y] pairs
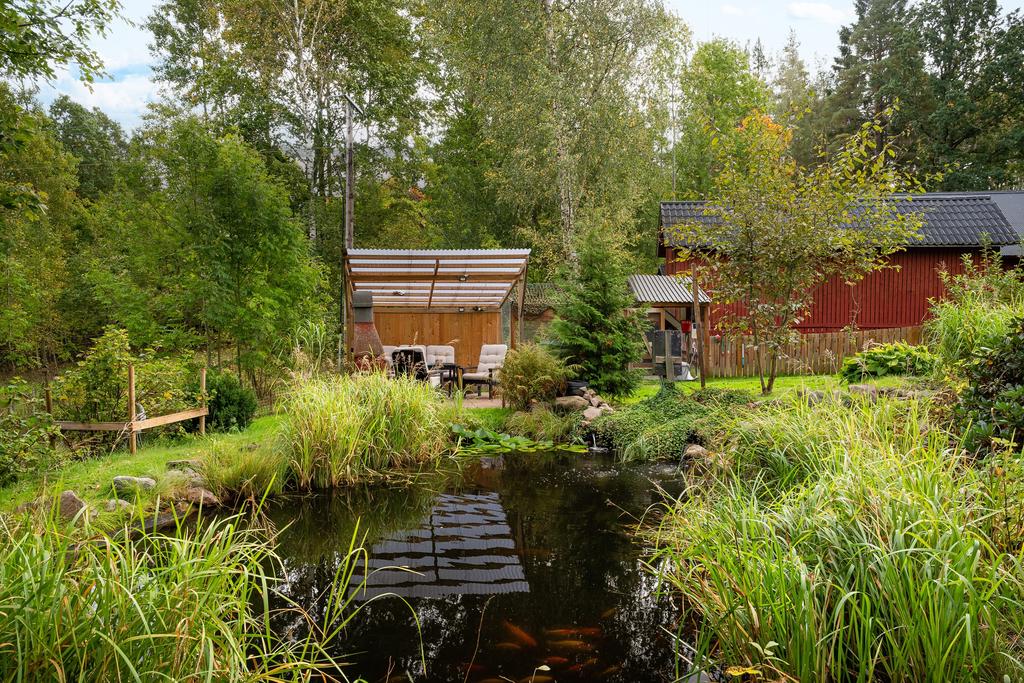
{"points": [[897, 358], [25, 429], [529, 373], [976, 312], [96, 388], [991, 407], [597, 325], [231, 405], [664, 424], [543, 424]]}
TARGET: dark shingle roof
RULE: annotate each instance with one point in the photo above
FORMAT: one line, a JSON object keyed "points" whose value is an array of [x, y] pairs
{"points": [[948, 221], [664, 289]]}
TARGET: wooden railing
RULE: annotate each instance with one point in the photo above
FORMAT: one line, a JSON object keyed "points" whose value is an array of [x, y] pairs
{"points": [[133, 426], [814, 353]]}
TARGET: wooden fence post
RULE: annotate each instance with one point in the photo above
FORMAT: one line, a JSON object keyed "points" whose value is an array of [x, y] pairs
{"points": [[49, 409], [133, 443], [202, 393]]}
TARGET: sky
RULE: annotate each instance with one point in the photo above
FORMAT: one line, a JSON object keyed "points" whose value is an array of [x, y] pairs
{"points": [[130, 87]]}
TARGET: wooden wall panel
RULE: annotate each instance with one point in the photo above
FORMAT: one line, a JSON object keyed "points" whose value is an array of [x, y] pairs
{"points": [[884, 299], [467, 332]]}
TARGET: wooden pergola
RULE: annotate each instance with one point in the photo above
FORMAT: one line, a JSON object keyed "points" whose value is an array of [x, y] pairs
{"points": [[434, 296]]}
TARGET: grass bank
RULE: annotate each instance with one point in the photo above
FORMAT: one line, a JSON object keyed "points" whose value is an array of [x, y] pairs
{"points": [[849, 543], [187, 606], [785, 385]]}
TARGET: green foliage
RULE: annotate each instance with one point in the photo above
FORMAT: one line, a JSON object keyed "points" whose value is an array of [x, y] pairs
{"points": [[25, 430], [531, 372], [543, 424], [778, 231], [113, 609], [663, 425], [483, 440], [597, 328], [898, 358], [38, 36], [991, 407], [977, 311], [339, 430], [96, 388], [833, 530], [231, 405]]}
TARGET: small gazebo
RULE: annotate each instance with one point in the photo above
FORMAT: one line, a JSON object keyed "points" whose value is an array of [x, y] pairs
{"points": [[440, 296]]}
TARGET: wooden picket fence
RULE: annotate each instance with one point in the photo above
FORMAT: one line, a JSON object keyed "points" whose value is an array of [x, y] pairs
{"points": [[813, 353]]}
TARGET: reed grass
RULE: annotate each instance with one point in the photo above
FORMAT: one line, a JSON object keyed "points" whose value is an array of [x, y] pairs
{"points": [[846, 544], [341, 430], [187, 606]]}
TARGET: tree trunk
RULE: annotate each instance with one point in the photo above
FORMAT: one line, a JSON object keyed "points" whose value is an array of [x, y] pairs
{"points": [[563, 160]]}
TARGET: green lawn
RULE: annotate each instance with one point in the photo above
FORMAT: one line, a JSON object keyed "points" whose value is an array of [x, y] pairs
{"points": [[783, 385], [91, 477]]}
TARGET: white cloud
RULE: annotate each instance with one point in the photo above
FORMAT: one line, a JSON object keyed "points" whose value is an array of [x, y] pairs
{"points": [[124, 100], [818, 11], [732, 10]]}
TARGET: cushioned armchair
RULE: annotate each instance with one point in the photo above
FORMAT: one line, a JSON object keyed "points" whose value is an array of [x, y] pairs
{"points": [[492, 357]]}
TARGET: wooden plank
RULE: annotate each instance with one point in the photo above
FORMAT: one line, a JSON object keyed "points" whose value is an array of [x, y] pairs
{"points": [[93, 426], [162, 420]]}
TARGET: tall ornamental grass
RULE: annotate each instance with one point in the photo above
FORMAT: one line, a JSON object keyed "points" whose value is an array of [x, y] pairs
{"points": [[846, 544], [977, 310], [340, 430], [189, 606]]}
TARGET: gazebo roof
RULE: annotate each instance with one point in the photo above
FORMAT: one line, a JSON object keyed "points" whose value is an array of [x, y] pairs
{"points": [[437, 279]]}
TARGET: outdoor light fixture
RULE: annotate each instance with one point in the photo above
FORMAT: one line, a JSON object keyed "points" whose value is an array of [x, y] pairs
{"points": [[463, 277], [398, 292], [462, 309]]}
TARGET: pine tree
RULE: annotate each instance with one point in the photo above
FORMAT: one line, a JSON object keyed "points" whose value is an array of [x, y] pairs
{"points": [[597, 326]]}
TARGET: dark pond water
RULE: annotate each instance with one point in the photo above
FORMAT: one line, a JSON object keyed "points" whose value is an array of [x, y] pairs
{"points": [[526, 561]]}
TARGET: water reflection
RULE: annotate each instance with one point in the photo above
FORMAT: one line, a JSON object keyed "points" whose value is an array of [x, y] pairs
{"points": [[525, 562]]}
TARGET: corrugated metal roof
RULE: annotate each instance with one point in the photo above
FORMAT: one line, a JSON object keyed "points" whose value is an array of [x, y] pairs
{"points": [[447, 279], [664, 289], [948, 220]]}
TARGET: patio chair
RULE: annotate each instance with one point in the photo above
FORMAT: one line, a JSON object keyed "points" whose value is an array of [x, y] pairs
{"points": [[440, 364], [410, 360], [388, 351], [492, 357]]}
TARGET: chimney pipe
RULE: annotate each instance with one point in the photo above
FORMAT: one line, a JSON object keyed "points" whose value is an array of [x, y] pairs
{"points": [[367, 350]]}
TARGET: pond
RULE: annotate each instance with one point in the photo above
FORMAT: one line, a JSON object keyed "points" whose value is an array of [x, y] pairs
{"points": [[526, 561]]}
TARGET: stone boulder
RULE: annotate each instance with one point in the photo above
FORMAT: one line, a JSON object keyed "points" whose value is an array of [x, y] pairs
{"points": [[695, 452], [197, 495], [571, 403], [69, 505], [812, 396], [125, 485], [591, 414], [865, 391], [116, 504]]}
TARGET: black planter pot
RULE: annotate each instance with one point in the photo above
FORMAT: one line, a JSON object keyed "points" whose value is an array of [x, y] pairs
{"points": [[575, 387]]}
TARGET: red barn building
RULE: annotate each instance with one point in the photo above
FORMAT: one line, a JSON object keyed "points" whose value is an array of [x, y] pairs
{"points": [[953, 225]]}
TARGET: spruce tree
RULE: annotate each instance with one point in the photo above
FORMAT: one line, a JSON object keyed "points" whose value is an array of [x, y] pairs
{"points": [[880, 61], [597, 325]]}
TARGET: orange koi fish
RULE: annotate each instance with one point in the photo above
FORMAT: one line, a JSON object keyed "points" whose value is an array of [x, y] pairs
{"points": [[559, 632], [571, 645], [555, 661], [536, 679], [508, 647], [610, 612], [519, 635], [590, 632], [611, 670]]}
